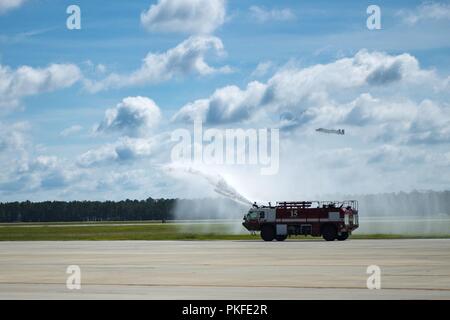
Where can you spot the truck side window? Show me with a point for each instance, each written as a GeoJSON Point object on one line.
{"type": "Point", "coordinates": [261, 215]}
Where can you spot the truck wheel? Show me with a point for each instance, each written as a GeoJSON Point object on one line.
{"type": "Point", "coordinates": [329, 232]}
{"type": "Point", "coordinates": [281, 238]}
{"type": "Point", "coordinates": [343, 236]}
{"type": "Point", "coordinates": [267, 233]}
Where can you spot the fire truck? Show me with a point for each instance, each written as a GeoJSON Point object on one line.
{"type": "Point", "coordinates": [330, 219]}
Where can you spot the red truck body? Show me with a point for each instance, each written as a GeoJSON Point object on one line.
{"type": "Point", "coordinates": [330, 219]}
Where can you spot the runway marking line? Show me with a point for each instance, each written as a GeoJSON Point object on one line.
{"type": "Point", "coordinates": [220, 286]}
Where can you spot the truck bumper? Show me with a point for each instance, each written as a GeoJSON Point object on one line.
{"type": "Point", "coordinates": [250, 226]}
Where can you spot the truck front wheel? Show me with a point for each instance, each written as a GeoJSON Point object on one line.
{"type": "Point", "coordinates": [267, 233]}
{"type": "Point", "coordinates": [343, 236]}
{"type": "Point", "coordinates": [329, 232]}
{"type": "Point", "coordinates": [281, 238]}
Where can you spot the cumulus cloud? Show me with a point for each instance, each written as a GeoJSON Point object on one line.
{"type": "Point", "coordinates": [301, 95]}
{"type": "Point", "coordinates": [395, 114]}
{"type": "Point", "coordinates": [184, 16]}
{"type": "Point", "coordinates": [25, 169]}
{"type": "Point", "coordinates": [385, 74]}
{"type": "Point", "coordinates": [431, 124]}
{"type": "Point", "coordinates": [7, 5]}
{"type": "Point", "coordinates": [48, 172]}
{"type": "Point", "coordinates": [186, 58]}
{"type": "Point", "coordinates": [14, 146]}
{"type": "Point", "coordinates": [400, 121]}
{"type": "Point", "coordinates": [263, 15]}
{"type": "Point", "coordinates": [394, 155]}
{"type": "Point", "coordinates": [133, 116]}
{"type": "Point", "coordinates": [228, 104]}
{"type": "Point", "coordinates": [375, 96]}
{"type": "Point", "coordinates": [129, 180]}
{"type": "Point", "coordinates": [426, 11]}
{"type": "Point", "coordinates": [125, 149]}
{"type": "Point", "coordinates": [26, 81]}
{"type": "Point", "coordinates": [28, 172]}
{"type": "Point", "coordinates": [13, 136]}
{"type": "Point", "coordinates": [366, 109]}
{"type": "Point", "coordinates": [365, 68]}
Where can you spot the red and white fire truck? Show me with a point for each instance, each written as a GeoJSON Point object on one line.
{"type": "Point", "coordinates": [330, 219]}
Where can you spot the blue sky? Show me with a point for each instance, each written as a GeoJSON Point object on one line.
{"type": "Point", "coordinates": [48, 122]}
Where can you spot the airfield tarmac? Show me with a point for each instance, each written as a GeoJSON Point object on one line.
{"type": "Point", "coordinates": [410, 269]}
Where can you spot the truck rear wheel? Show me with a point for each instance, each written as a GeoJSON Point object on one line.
{"type": "Point", "coordinates": [267, 233]}
{"type": "Point", "coordinates": [329, 232]}
{"type": "Point", "coordinates": [343, 236]}
{"type": "Point", "coordinates": [281, 238]}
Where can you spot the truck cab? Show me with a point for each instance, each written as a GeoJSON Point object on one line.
{"type": "Point", "coordinates": [257, 216]}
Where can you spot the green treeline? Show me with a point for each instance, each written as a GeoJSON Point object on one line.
{"type": "Point", "coordinates": [126, 210]}
{"type": "Point", "coordinates": [62, 211]}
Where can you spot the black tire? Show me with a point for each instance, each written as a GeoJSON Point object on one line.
{"type": "Point", "coordinates": [343, 236]}
{"type": "Point", "coordinates": [267, 233]}
{"type": "Point", "coordinates": [329, 232]}
{"type": "Point", "coordinates": [281, 238]}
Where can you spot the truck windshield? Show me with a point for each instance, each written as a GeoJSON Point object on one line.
{"type": "Point", "coordinates": [252, 215]}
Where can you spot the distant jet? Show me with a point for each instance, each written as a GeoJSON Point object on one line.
{"type": "Point", "coordinates": [338, 131]}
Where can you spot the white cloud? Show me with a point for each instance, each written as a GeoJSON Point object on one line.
{"type": "Point", "coordinates": [24, 171]}
{"type": "Point", "coordinates": [116, 180]}
{"type": "Point", "coordinates": [395, 113]}
{"type": "Point", "coordinates": [125, 149]}
{"type": "Point", "coordinates": [431, 124]}
{"type": "Point", "coordinates": [395, 157]}
{"type": "Point", "coordinates": [184, 16]}
{"type": "Point", "coordinates": [396, 117]}
{"type": "Point", "coordinates": [71, 130]}
{"type": "Point", "coordinates": [100, 68]}
{"type": "Point", "coordinates": [7, 5]}
{"type": "Point", "coordinates": [262, 69]}
{"type": "Point", "coordinates": [366, 109]}
{"type": "Point", "coordinates": [47, 173]}
{"type": "Point", "coordinates": [186, 58]}
{"type": "Point", "coordinates": [301, 95]}
{"type": "Point", "coordinates": [398, 121]}
{"type": "Point", "coordinates": [228, 104]}
{"type": "Point", "coordinates": [426, 11]}
{"type": "Point", "coordinates": [29, 174]}
{"type": "Point", "coordinates": [365, 68]}
{"type": "Point", "coordinates": [402, 121]}
{"type": "Point", "coordinates": [13, 136]}
{"type": "Point", "coordinates": [134, 116]}
{"type": "Point", "coordinates": [263, 15]}
{"type": "Point", "coordinates": [26, 81]}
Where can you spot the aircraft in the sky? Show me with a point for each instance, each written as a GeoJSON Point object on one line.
{"type": "Point", "coordinates": [333, 131]}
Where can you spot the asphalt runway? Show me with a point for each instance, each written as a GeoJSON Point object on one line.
{"type": "Point", "coordinates": [410, 269]}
